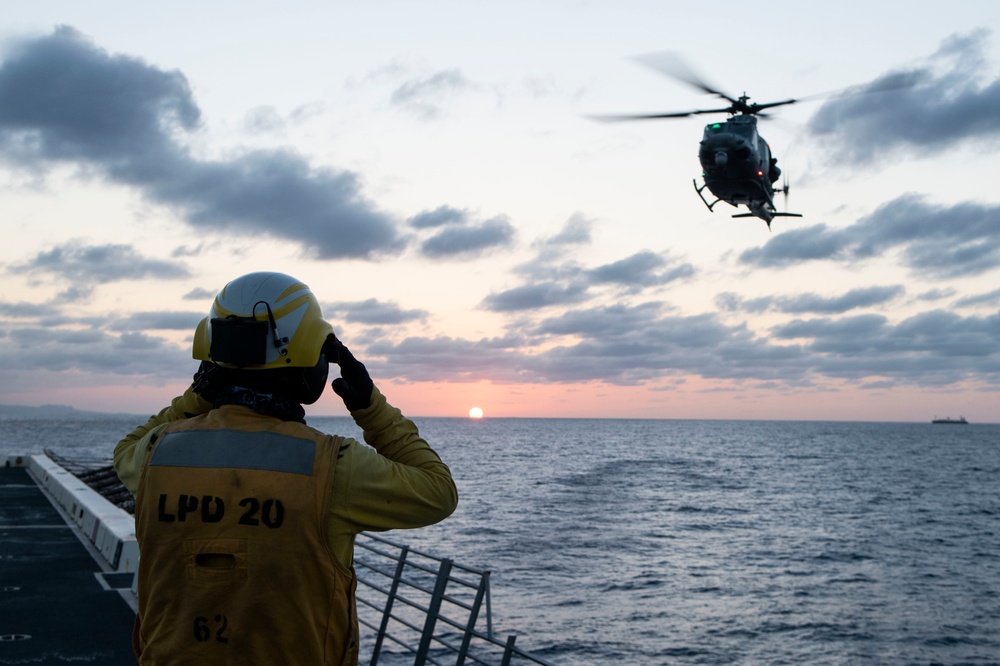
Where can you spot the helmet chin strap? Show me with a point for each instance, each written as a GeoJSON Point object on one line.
{"type": "Point", "coordinates": [270, 404]}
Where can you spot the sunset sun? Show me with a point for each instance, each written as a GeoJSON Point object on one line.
{"type": "Point", "coordinates": [476, 413]}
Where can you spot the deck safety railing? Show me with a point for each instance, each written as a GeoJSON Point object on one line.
{"type": "Point", "coordinates": [425, 609]}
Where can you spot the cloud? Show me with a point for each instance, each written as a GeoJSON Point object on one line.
{"type": "Point", "coordinates": [277, 193]}
{"type": "Point", "coordinates": [936, 294]}
{"type": "Point", "coordinates": [613, 344]}
{"type": "Point", "coordinates": [456, 236]}
{"type": "Point", "coordinates": [263, 120]}
{"type": "Point", "coordinates": [796, 246]}
{"type": "Point", "coordinates": [23, 310]}
{"type": "Point", "coordinates": [552, 282]}
{"type": "Point", "coordinates": [199, 294]}
{"type": "Point", "coordinates": [64, 100]}
{"type": "Point", "coordinates": [450, 359]}
{"type": "Point", "coordinates": [373, 313]}
{"type": "Point", "coordinates": [440, 216]}
{"type": "Point", "coordinates": [926, 109]}
{"type": "Point", "coordinates": [192, 251]}
{"type": "Point", "coordinates": [86, 265]}
{"type": "Point", "coordinates": [266, 119]}
{"type": "Point", "coordinates": [847, 335]}
{"type": "Point", "coordinates": [812, 303]}
{"type": "Point", "coordinates": [937, 241]}
{"type": "Point", "coordinates": [535, 296]}
{"type": "Point", "coordinates": [642, 269]}
{"type": "Point", "coordinates": [648, 344]}
{"type": "Point", "coordinates": [423, 96]}
{"type": "Point", "coordinates": [92, 350]}
{"type": "Point", "coordinates": [546, 85]}
{"type": "Point", "coordinates": [946, 334]}
{"type": "Point", "coordinates": [158, 321]}
{"type": "Point", "coordinates": [139, 342]}
{"type": "Point", "coordinates": [935, 348]}
{"type": "Point", "coordinates": [645, 343]}
{"type": "Point", "coordinates": [95, 346]}
{"type": "Point", "coordinates": [391, 71]}
{"type": "Point", "coordinates": [469, 241]}
{"type": "Point", "coordinates": [578, 230]}
{"type": "Point", "coordinates": [666, 346]}
{"type": "Point", "coordinates": [989, 299]}
{"type": "Point", "coordinates": [601, 323]}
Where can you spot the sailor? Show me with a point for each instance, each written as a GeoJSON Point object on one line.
{"type": "Point", "coordinates": [245, 516]}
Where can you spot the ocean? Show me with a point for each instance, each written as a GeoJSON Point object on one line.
{"type": "Point", "coordinates": [706, 542]}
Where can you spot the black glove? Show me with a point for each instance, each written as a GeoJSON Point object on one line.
{"type": "Point", "coordinates": [208, 381]}
{"type": "Point", "coordinates": [354, 385]}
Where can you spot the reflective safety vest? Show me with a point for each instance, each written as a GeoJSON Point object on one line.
{"type": "Point", "coordinates": [234, 565]}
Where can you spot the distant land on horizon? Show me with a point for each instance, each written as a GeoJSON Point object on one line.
{"type": "Point", "coordinates": [59, 412]}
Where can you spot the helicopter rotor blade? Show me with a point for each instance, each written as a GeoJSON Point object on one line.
{"type": "Point", "coordinates": [887, 83]}
{"type": "Point", "coordinates": [671, 64]}
{"type": "Point", "coordinates": [760, 107]}
{"type": "Point", "coordinates": [653, 116]}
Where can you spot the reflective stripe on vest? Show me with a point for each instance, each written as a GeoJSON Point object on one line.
{"type": "Point", "coordinates": [235, 449]}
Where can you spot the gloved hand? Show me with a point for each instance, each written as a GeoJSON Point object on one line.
{"type": "Point", "coordinates": [354, 385]}
{"type": "Point", "coordinates": [207, 381]}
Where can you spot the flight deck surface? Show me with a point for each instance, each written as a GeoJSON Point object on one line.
{"type": "Point", "coordinates": [58, 604]}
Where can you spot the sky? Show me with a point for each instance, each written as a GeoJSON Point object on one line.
{"type": "Point", "coordinates": [434, 172]}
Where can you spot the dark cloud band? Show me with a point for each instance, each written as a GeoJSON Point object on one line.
{"type": "Point", "coordinates": [63, 99]}
{"type": "Point", "coordinates": [935, 240]}
{"type": "Point", "coordinates": [931, 108]}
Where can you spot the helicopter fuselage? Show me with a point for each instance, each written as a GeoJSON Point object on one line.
{"type": "Point", "coordinates": [736, 162]}
{"type": "Point", "coordinates": [737, 165]}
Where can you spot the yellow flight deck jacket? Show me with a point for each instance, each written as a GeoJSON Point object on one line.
{"type": "Point", "coordinates": [246, 528]}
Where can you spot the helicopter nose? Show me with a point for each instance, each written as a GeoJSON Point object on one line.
{"type": "Point", "coordinates": [721, 158]}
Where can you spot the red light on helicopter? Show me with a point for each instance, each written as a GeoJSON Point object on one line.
{"type": "Point", "coordinates": [760, 174]}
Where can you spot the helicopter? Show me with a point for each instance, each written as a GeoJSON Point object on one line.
{"type": "Point", "coordinates": [737, 164]}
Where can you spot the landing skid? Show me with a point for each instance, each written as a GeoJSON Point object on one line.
{"type": "Point", "coordinates": [699, 190]}
{"type": "Point", "coordinates": [772, 215]}
{"type": "Point", "coordinates": [768, 219]}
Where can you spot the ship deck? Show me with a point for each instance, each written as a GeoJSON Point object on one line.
{"type": "Point", "coordinates": [60, 600]}
{"type": "Point", "coordinates": [68, 557]}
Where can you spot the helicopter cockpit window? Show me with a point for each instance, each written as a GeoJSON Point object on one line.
{"type": "Point", "coordinates": [741, 130]}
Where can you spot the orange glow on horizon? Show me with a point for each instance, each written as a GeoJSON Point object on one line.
{"type": "Point", "coordinates": [684, 398]}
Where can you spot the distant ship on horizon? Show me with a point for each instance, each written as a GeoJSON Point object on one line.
{"type": "Point", "coordinates": [959, 421]}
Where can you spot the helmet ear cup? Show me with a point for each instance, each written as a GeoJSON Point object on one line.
{"type": "Point", "coordinates": [239, 342]}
